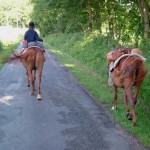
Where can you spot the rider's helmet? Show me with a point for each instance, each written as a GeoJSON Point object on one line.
{"type": "Point", "coordinates": [31, 24]}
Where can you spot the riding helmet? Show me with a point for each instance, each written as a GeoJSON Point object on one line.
{"type": "Point", "coordinates": [31, 24]}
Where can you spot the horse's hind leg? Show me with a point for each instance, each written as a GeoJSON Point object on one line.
{"type": "Point", "coordinates": [34, 78]}
{"type": "Point", "coordinates": [126, 102]}
{"type": "Point", "coordinates": [115, 98]}
{"type": "Point", "coordinates": [130, 97]}
{"type": "Point", "coordinates": [28, 80]}
{"type": "Point", "coordinates": [32, 82]}
{"type": "Point", "coordinates": [39, 85]}
{"type": "Point", "coordinates": [137, 89]}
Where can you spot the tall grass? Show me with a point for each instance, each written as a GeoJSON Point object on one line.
{"type": "Point", "coordinates": [87, 54]}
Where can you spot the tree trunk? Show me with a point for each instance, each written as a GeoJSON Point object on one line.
{"type": "Point", "coordinates": [98, 16]}
{"type": "Point", "coordinates": [98, 20]}
{"type": "Point", "coordinates": [90, 15]}
{"type": "Point", "coordinates": [110, 9]}
{"type": "Point", "coordinates": [111, 24]}
{"type": "Point", "coordinates": [144, 11]}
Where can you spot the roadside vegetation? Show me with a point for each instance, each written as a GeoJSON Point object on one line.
{"type": "Point", "coordinates": [85, 56]}
{"type": "Point", "coordinates": [6, 49]}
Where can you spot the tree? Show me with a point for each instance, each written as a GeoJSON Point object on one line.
{"type": "Point", "coordinates": [15, 13]}
{"type": "Point", "coordinates": [145, 15]}
{"type": "Point", "coordinates": [90, 15]}
{"type": "Point", "coordinates": [120, 19]}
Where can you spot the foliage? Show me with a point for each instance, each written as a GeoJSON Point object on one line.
{"type": "Point", "coordinates": [14, 12]}
{"type": "Point", "coordinates": [88, 48]}
{"type": "Point", "coordinates": [119, 19]}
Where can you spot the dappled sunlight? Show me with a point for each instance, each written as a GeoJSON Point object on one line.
{"type": "Point", "coordinates": [57, 51]}
{"type": "Point", "coordinates": [69, 65]}
{"type": "Point", "coordinates": [6, 99]}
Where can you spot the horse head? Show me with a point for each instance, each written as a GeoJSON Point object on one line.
{"type": "Point", "coordinates": [113, 55]}
{"type": "Point", "coordinates": [136, 51]}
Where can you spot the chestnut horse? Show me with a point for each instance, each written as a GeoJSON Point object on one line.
{"type": "Point", "coordinates": [126, 71]}
{"type": "Point", "coordinates": [33, 59]}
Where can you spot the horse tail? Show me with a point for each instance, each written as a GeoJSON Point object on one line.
{"type": "Point", "coordinates": [141, 71]}
{"type": "Point", "coordinates": [20, 56]}
{"type": "Point", "coordinates": [132, 70]}
{"type": "Point", "coordinates": [14, 56]}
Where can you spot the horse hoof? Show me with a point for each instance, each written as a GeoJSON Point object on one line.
{"type": "Point", "coordinates": [32, 94]}
{"type": "Point", "coordinates": [113, 108]}
{"type": "Point", "coordinates": [28, 85]}
{"type": "Point", "coordinates": [39, 97]}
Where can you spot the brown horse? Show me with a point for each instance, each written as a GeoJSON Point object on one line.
{"type": "Point", "coordinates": [126, 71]}
{"type": "Point", "coordinates": [33, 59]}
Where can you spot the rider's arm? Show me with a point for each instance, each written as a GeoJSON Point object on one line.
{"type": "Point", "coordinates": [38, 38]}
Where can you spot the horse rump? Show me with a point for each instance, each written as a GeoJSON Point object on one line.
{"type": "Point", "coordinates": [134, 70]}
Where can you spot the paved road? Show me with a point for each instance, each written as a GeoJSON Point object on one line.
{"type": "Point", "coordinates": [66, 119]}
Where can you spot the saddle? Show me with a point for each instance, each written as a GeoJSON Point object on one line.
{"type": "Point", "coordinates": [115, 63]}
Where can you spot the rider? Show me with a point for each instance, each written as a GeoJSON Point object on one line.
{"type": "Point", "coordinates": [31, 36]}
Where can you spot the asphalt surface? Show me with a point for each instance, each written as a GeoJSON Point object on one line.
{"type": "Point", "coordinates": [66, 118]}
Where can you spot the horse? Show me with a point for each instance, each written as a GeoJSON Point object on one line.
{"type": "Point", "coordinates": [126, 70]}
{"type": "Point", "coordinates": [33, 59]}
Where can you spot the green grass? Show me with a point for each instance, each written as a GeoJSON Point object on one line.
{"type": "Point", "coordinates": [85, 58]}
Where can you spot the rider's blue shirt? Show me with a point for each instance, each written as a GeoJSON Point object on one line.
{"type": "Point", "coordinates": [32, 36]}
